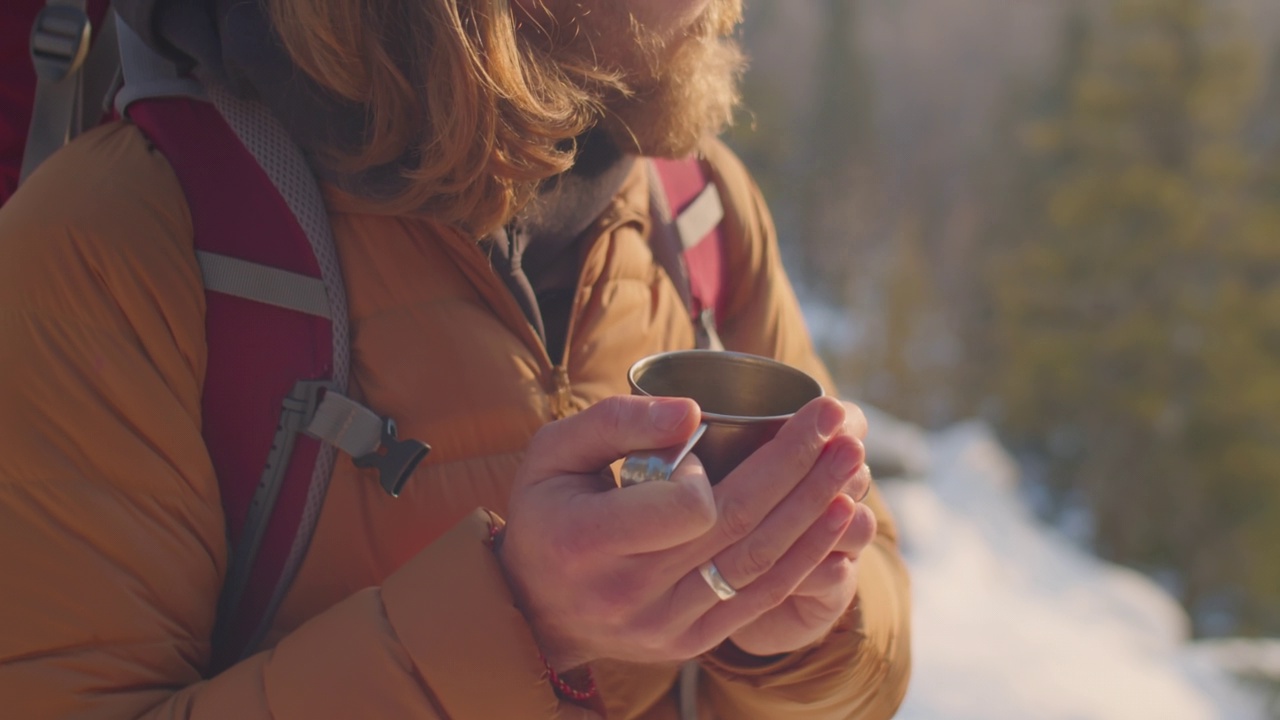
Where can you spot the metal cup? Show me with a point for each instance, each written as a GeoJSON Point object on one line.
{"type": "Point", "coordinates": [744, 398]}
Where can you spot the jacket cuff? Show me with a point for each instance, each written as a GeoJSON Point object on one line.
{"type": "Point", "coordinates": [730, 663]}
{"type": "Point", "coordinates": [455, 616]}
{"type": "Point", "coordinates": [884, 606]}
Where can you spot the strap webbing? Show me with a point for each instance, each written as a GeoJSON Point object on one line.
{"type": "Point", "coordinates": [346, 424]}
{"type": "Point", "coordinates": [101, 73]}
{"type": "Point", "coordinates": [666, 243]}
{"type": "Point", "coordinates": [688, 684]}
{"type": "Point", "coordinates": [148, 74]}
{"type": "Point", "coordinates": [59, 44]}
{"type": "Point", "coordinates": [688, 245]}
{"type": "Point", "coordinates": [264, 284]}
{"type": "Point", "coordinates": [702, 216]}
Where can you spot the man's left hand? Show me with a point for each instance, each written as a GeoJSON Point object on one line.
{"type": "Point", "coordinates": [814, 607]}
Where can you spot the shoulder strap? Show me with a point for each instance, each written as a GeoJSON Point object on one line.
{"type": "Point", "coordinates": [276, 329]}
{"type": "Point", "coordinates": [77, 70]}
{"type": "Point", "coordinates": [256, 354]}
{"type": "Point", "coordinates": [689, 239]}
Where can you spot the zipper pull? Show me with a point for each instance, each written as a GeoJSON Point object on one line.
{"type": "Point", "coordinates": [561, 395]}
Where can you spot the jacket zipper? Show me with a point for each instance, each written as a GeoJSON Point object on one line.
{"type": "Point", "coordinates": [560, 386]}
{"type": "Point", "coordinates": [562, 404]}
{"type": "Point", "coordinates": [561, 393]}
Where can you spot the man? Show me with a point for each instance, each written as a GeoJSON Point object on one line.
{"type": "Point", "coordinates": [491, 220]}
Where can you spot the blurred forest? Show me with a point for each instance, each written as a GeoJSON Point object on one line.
{"type": "Point", "coordinates": [1062, 216]}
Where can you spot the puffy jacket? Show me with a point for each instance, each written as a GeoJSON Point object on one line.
{"type": "Point", "coordinates": [112, 538]}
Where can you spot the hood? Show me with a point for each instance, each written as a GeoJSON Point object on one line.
{"type": "Point", "coordinates": [231, 42]}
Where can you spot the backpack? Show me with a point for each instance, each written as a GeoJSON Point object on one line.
{"type": "Point", "coordinates": [274, 409]}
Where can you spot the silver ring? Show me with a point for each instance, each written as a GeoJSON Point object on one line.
{"type": "Point", "coordinates": [716, 581]}
{"type": "Point", "coordinates": [657, 465]}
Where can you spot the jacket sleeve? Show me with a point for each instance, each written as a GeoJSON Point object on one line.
{"type": "Point", "coordinates": [112, 544]}
{"type": "Point", "coordinates": [861, 669]}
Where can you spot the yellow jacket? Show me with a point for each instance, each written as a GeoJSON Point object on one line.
{"type": "Point", "coordinates": [112, 540]}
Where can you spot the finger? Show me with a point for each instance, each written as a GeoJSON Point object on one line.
{"type": "Point", "coordinates": [860, 533]}
{"type": "Point", "coordinates": [753, 556]}
{"type": "Point", "coordinates": [755, 487]}
{"type": "Point", "coordinates": [652, 516]}
{"type": "Point", "coordinates": [811, 609]}
{"type": "Point", "coordinates": [605, 432]}
{"type": "Point", "coordinates": [832, 582]}
{"type": "Point", "coordinates": [722, 618]}
{"type": "Point", "coordinates": [855, 421]}
{"type": "Point", "coordinates": [806, 617]}
{"type": "Point", "coordinates": [859, 483]}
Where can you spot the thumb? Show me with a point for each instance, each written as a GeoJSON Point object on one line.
{"type": "Point", "coordinates": [605, 432]}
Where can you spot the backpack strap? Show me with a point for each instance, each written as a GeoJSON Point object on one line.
{"type": "Point", "coordinates": [338, 421]}
{"type": "Point", "coordinates": [77, 71]}
{"type": "Point", "coordinates": [689, 239]}
{"type": "Point", "coordinates": [276, 328]}
{"type": "Point", "coordinates": [256, 354]}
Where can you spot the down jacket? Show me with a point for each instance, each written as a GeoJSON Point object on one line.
{"type": "Point", "coordinates": [112, 538]}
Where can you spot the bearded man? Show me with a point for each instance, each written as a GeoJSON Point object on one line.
{"type": "Point", "coordinates": [483, 165]}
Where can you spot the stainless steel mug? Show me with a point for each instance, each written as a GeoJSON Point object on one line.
{"type": "Point", "coordinates": [744, 398]}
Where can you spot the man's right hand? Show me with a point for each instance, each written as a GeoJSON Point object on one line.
{"type": "Point", "coordinates": [607, 572]}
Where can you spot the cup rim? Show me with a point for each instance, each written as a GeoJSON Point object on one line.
{"type": "Point", "coordinates": [732, 356]}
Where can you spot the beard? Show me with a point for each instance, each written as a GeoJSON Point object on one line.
{"type": "Point", "coordinates": [673, 92]}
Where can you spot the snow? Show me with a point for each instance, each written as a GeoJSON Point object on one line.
{"type": "Point", "coordinates": [1012, 620]}
{"type": "Point", "coordinates": [1249, 658]}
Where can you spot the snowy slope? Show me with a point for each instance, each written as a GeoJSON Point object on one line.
{"type": "Point", "coordinates": [1013, 621]}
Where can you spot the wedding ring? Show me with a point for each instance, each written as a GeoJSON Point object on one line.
{"type": "Point", "coordinates": [716, 581]}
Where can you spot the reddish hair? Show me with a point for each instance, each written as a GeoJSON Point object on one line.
{"type": "Point", "coordinates": [472, 112]}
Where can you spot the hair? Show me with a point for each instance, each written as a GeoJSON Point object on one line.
{"type": "Point", "coordinates": [469, 112]}
{"type": "Point", "coordinates": [679, 92]}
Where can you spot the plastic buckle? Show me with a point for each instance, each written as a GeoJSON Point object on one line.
{"type": "Point", "coordinates": [394, 459]}
{"type": "Point", "coordinates": [59, 41]}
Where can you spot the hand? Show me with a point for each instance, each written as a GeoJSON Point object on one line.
{"type": "Point", "coordinates": [810, 612]}
{"type": "Point", "coordinates": [606, 572]}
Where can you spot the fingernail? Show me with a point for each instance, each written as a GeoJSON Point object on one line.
{"type": "Point", "coordinates": [668, 414]}
{"type": "Point", "coordinates": [830, 419]}
{"type": "Point", "coordinates": [839, 514]}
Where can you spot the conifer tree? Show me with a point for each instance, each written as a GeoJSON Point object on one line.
{"type": "Point", "coordinates": [1137, 307]}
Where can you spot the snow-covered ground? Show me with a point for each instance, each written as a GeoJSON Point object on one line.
{"type": "Point", "coordinates": [1013, 621]}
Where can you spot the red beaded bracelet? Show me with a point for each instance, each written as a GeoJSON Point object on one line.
{"type": "Point", "coordinates": [567, 691]}
{"type": "Point", "coordinates": [562, 688]}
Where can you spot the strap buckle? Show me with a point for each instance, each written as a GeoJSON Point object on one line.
{"type": "Point", "coordinates": [394, 459]}
{"type": "Point", "coordinates": [59, 41]}
{"type": "Point", "coordinates": [367, 437]}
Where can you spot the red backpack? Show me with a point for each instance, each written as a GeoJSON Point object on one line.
{"type": "Point", "coordinates": [274, 412]}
